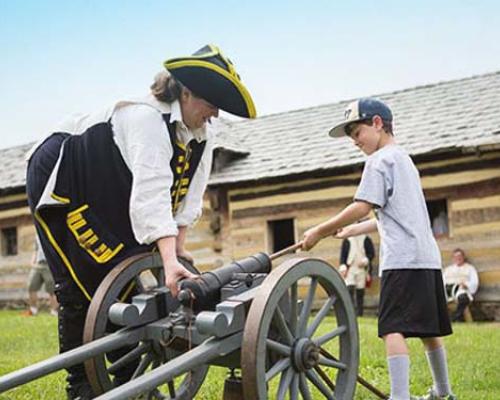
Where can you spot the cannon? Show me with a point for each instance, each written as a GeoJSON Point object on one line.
{"type": "Point", "coordinates": [265, 323]}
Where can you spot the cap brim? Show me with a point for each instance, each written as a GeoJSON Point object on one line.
{"type": "Point", "coordinates": [339, 130]}
{"type": "Point", "coordinates": [214, 84]}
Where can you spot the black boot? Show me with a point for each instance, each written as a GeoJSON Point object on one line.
{"type": "Point", "coordinates": [79, 391]}
{"type": "Point", "coordinates": [71, 323]}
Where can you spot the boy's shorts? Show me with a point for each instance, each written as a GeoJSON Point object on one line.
{"type": "Point", "coordinates": [413, 303]}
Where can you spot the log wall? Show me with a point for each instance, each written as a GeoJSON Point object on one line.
{"type": "Point", "coordinates": [235, 219]}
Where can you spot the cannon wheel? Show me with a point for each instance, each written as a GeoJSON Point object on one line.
{"type": "Point", "coordinates": [286, 350]}
{"type": "Point", "coordinates": [135, 275]}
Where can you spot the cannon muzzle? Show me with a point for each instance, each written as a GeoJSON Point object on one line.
{"type": "Point", "coordinates": [203, 292]}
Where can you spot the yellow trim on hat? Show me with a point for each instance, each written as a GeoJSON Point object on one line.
{"type": "Point", "coordinates": [215, 51]}
{"type": "Point", "coordinates": [206, 64]}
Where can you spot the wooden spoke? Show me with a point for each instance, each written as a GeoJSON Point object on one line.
{"type": "Point", "coordinates": [330, 335]}
{"type": "Point", "coordinates": [306, 309]}
{"type": "Point", "coordinates": [322, 313]}
{"type": "Point", "coordinates": [277, 368]}
{"type": "Point", "coordinates": [279, 348]}
{"type": "Point", "coordinates": [279, 320]}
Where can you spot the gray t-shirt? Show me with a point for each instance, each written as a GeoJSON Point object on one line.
{"type": "Point", "coordinates": [391, 182]}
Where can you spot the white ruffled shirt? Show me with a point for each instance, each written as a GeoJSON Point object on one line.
{"type": "Point", "coordinates": [142, 137]}
{"type": "Point", "coordinates": [465, 273]}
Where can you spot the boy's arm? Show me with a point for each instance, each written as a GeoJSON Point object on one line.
{"type": "Point", "coordinates": [348, 215]}
{"type": "Point", "coordinates": [357, 229]}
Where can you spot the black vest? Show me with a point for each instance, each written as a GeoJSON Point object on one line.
{"type": "Point", "coordinates": [184, 163]}
{"type": "Point", "coordinates": [95, 184]}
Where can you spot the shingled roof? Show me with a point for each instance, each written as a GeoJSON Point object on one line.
{"type": "Point", "coordinates": [461, 114]}
{"type": "Point", "coordinates": [13, 170]}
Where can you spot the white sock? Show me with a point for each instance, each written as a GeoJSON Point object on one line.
{"type": "Point", "coordinates": [399, 374]}
{"type": "Point", "coordinates": [439, 370]}
{"type": "Point", "coordinates": [34, 310]}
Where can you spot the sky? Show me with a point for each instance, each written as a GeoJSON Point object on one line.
{"type": "Point", "coordinates": [65, 57]}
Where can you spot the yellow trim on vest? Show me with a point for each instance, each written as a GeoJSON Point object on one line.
{"type": "Point", "coordinates": [64, 200]}
{"type": "Point", "coordinates": [78, 210]}
{"type": "Point", "coordinates": [232, 78]}
{"type": "Point", "coordinates": [76, 220]}
{"type": "Point", "coordinates": [181, 145]}
{"type": "Point", "coordinates": [91, 241]}
{"type": "Point", "coordinates": [61, 254]}
{"type": "Point", "coordinates": [181, 170]}
{"type": "Point", "coordinates": [78, 224]}
{"type": "Point", "coordinates": [101, 249]}
{"type": "Point", "coordinates": [87, 234]}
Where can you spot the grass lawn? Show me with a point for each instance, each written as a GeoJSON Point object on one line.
{"type": "Point", "coordinates": [473, 352]}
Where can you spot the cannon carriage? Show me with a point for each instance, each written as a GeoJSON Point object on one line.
{"type": "Point", "coordinates": [262, 320]}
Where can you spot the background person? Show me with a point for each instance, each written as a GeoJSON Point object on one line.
{"type": "Point", "coordinates": [356, 257]}
{"type": "Point", "coordinates": [462, 276]}
{"type": "Point", "coordinates": [40, 275]}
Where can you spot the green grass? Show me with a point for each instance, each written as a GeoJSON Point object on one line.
{"type": "Point", "coordinates": [473, 353]}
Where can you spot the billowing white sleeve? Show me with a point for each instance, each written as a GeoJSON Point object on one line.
{"type": "Point", "coordinates": [142, 137]}
{"type": "Point", "coordinates": [473, 283]}
{"type": "Point", "coordinates": [191, 206]}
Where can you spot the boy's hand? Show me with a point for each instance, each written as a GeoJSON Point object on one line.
{"type": "Point", "coordinates": [311, 238]}
{"type": "Point", "coordinates": [342, 233]}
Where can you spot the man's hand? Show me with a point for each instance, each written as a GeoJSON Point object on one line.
{"type": "Point", "coordinates": [311, 238]}
{"type": "Point", "coordinates": [174, 272]}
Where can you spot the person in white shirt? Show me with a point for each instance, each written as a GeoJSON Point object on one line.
{"type": "Point", "coordinates": [461, 282]}
{"type": "Point", "coordinates": [356, 257]}
{"type": "Point", "coordinates": [111, 184]}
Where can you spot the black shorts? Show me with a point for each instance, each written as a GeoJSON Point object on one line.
{"type": "Point", "coordinates": [413, 303]}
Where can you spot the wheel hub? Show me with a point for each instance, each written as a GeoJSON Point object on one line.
{"type": "Point", "coordinates": [305, 354]}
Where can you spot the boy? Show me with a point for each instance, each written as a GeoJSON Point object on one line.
{"type": "Point", "coordinates": [412, 299]}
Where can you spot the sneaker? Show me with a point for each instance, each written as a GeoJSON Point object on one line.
{"type": "Point", "coordinates": [431, 395]}
{"type": "Point", "coordinates": [27, 313]}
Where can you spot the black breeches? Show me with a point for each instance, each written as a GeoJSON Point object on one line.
{"type": "Point", "coordinates": [463, 302]}
{"type": "Point", "coordinates": [360, 300]}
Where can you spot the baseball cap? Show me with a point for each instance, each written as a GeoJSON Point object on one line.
{"type": "Point", "coordinates": [361, 110]}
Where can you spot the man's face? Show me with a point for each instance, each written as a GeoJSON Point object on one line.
{"type": "Point", "coordinates": [366, 137]}
{"type": "Point", "coordinates": [458, 258]}
{"type": "Point", "coordinates": [196, 112]}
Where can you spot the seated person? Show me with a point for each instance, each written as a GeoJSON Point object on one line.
{"type": "Point", "coordinates": [461, 282]}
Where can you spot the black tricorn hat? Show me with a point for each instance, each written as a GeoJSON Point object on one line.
{"type": "Point", "coordinates": [211, 76]}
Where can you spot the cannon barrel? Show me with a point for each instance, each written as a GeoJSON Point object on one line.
{"type": "Point", "coordinates": [204, 291]}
